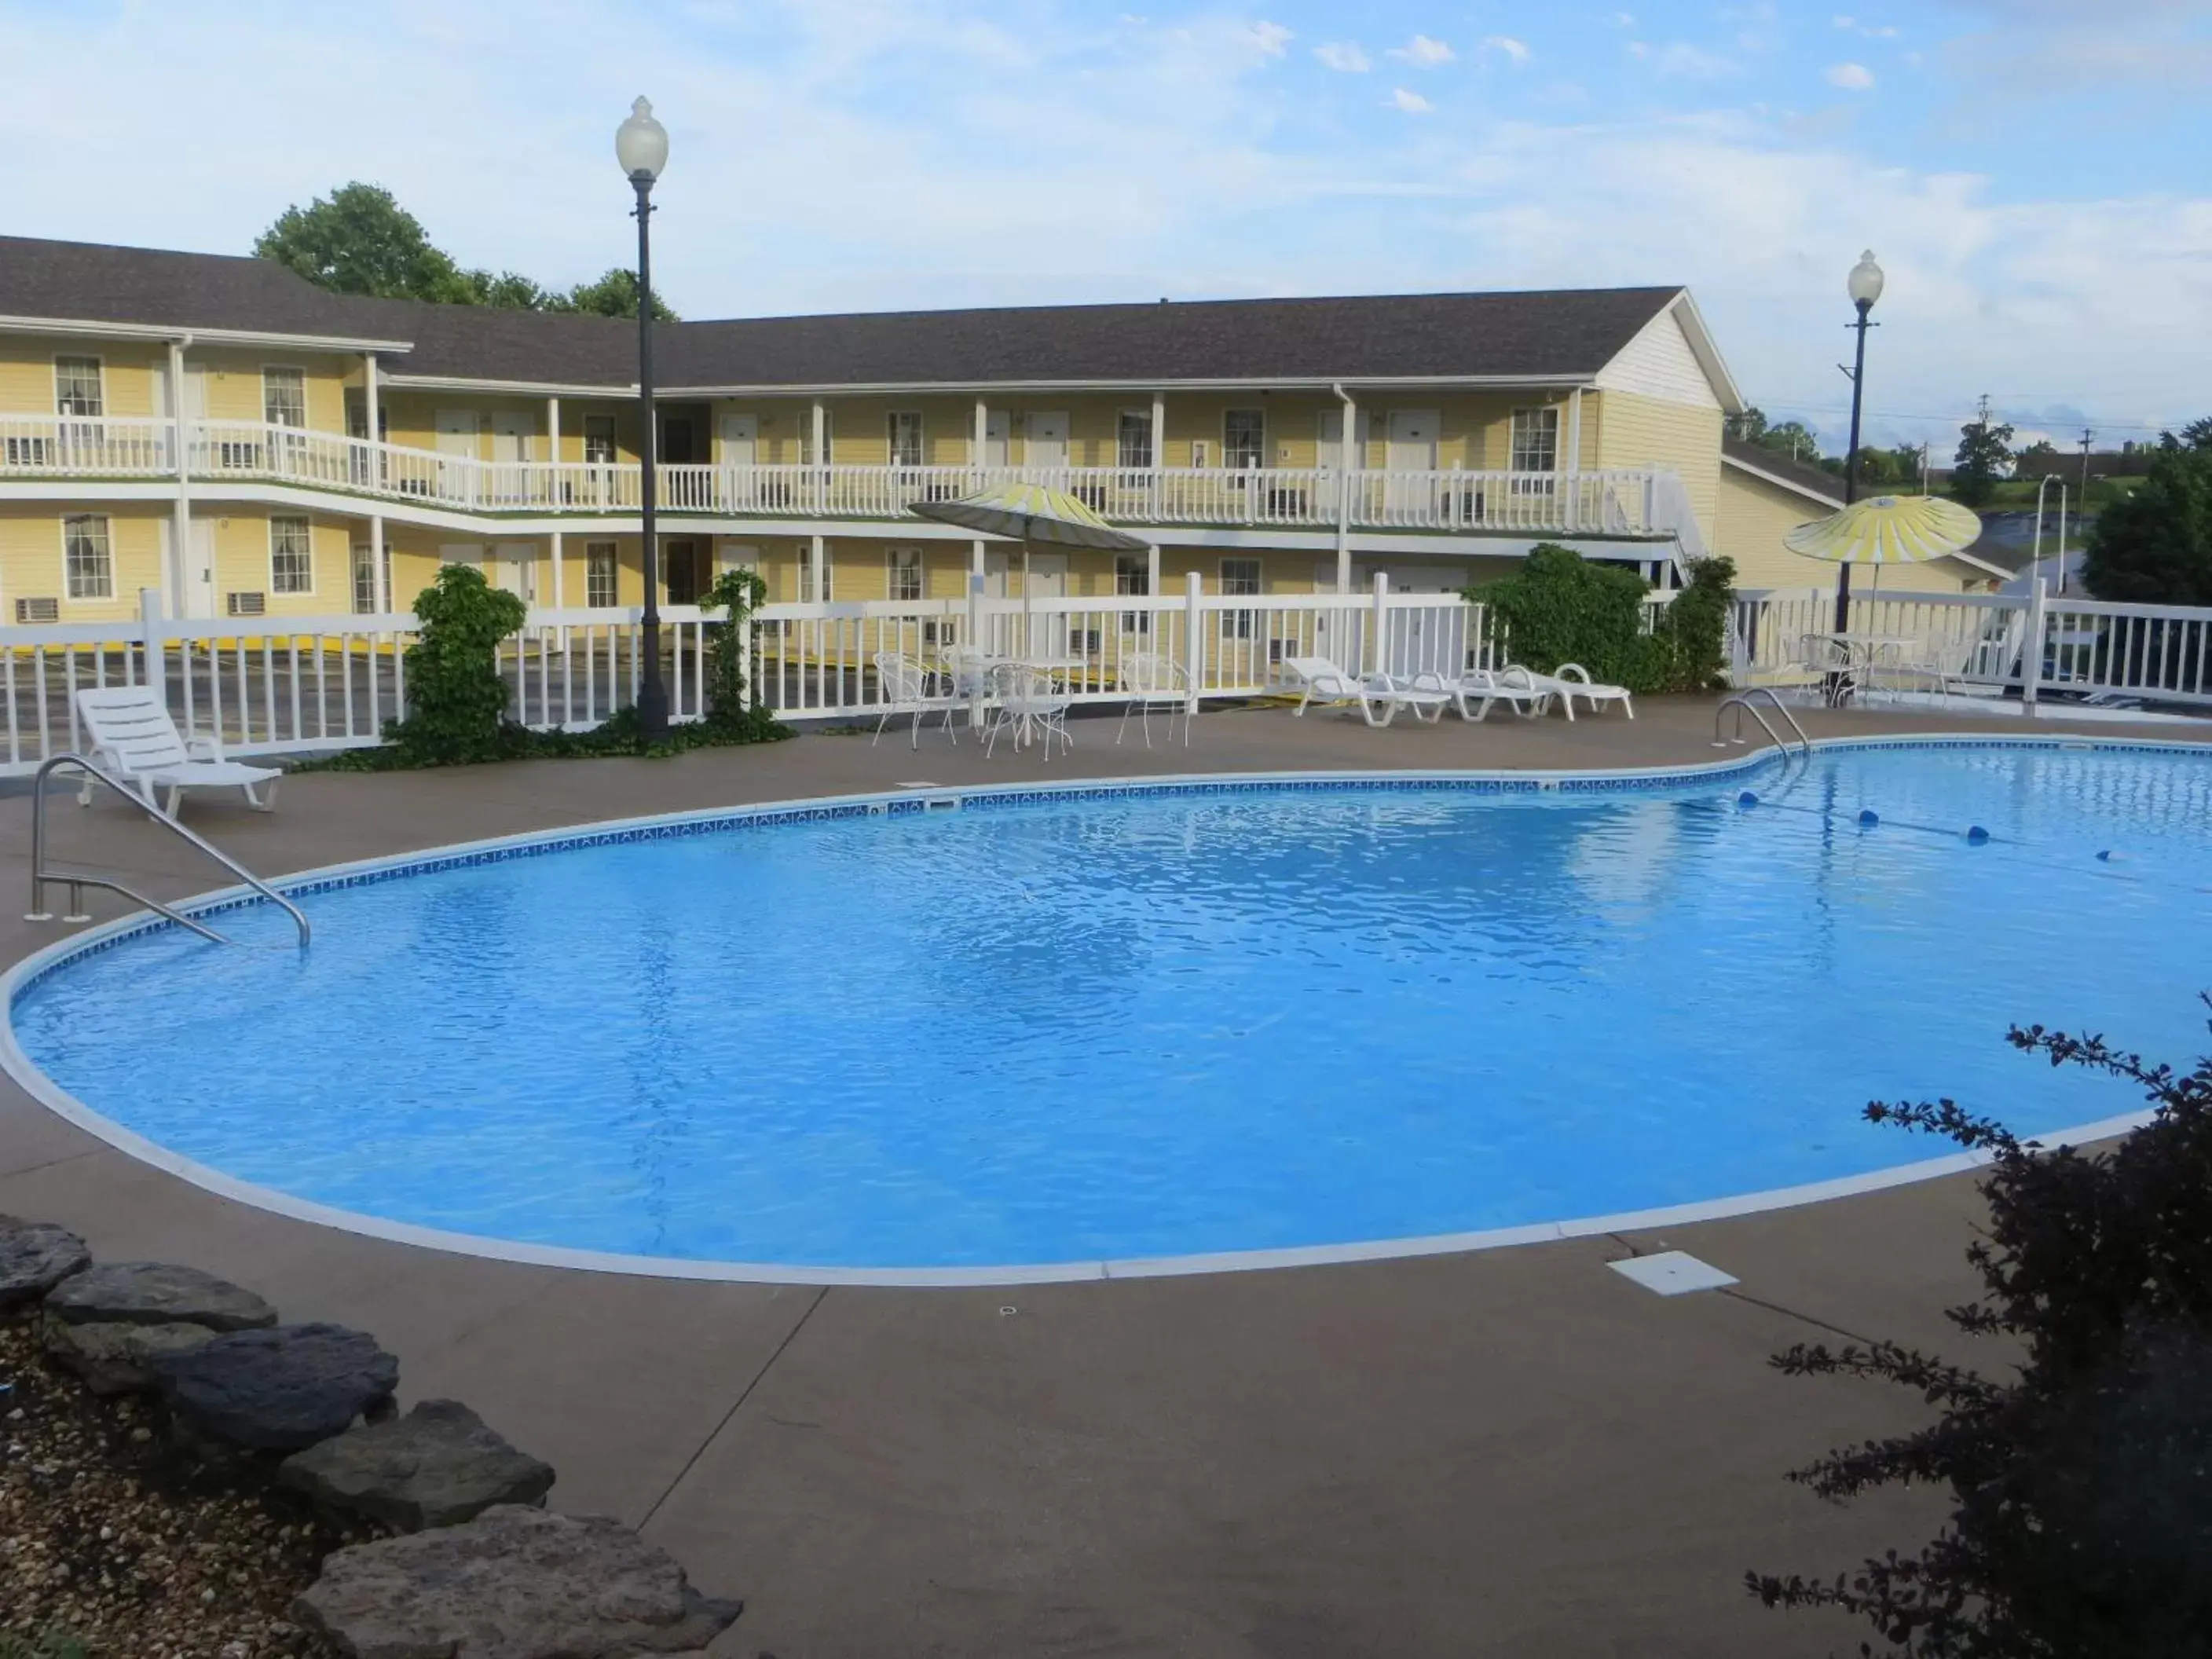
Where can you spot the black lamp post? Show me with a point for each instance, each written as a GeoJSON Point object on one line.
{"type": "Point", "coordinates": [642, 147]}
{"type": "Point", "coordinates": [1865, 286]}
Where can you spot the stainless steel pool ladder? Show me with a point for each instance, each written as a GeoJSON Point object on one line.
{"type": "Point", "coordinates": [1741, 702]}
{"type": "Point", "coordinates": [77, 881]}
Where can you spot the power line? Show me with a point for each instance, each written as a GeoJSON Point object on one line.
{"type": "Point", "coordinates": [1949, 415]}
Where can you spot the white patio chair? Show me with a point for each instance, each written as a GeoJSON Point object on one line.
{"type": "Point", "coordinates": [904, 684]}
{"type": "Point", "coordinates": [1480, 686]}
{"type": "Point", "coordinates": [1828, 666]}
{"type": "Point", "coordinates": [131, 734]}
{"type": "Point", "coordinates": [1151, 680]}
{"type": "Point", "coordinates": [1032, 701]}
{"type": "Point", "coordinates": [1331, 687]}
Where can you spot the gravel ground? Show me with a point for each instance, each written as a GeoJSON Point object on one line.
{"type": "Point", "coordinates": [109, 1534]}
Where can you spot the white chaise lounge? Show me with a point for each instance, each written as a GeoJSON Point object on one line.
{"type": "Point", "coordinates": [1331, 687]}
{"type": "Point", "coordinates": [1571, 680]}
{"type": "Point", "coordinates": [1481, 687]}
{"type": "Point", "coordinates": [131, 734]}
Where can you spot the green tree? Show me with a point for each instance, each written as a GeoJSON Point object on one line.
{"type": "Point", "coordinates": [614, 295]}
{"type": "Point", "coordinates": [2080, 1477]}
{"type": "Point", "coordinates": [1984, 456]}
{"type": "Point", "coordinates": [1793, 439]}
{"type": "Point", "coordinates": [360, 240]}
{"type": "Point", "coordinates": [1748, 427]}
{"type": "Point", "coordinates": [2154, 544]}
{"type": "Point", "coordinates": [456, 699]}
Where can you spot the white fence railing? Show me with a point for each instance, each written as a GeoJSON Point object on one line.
{"type": "Point", "coordinates": [2029, 645]}
{"type": "Point", "coordinates": [1621, 501]}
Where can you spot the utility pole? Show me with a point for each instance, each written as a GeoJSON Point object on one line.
{"type": "Point", "coordinates": [1924, 466]}
{"type": "Point", "coordinates": [2082, 506]}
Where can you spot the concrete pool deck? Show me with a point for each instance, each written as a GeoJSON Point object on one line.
{"type": "Point", "coordinates": [1511, 1453]}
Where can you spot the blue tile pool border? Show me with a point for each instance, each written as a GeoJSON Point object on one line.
{"type": "Point", "coordinates": [34, 970]}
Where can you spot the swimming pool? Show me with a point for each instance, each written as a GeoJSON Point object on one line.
{"type": "Point", "coordinates": [1158, 1027]}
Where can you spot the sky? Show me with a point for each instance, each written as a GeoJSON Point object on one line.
{"type": "Point", "coordinates": [2029, 172]}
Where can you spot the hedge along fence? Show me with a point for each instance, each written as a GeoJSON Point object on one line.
{"type": "Point", "coordinates": [1559, 608]}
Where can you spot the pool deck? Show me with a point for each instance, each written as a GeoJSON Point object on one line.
{"type": "Point", "coordinates": [1514, 1452]}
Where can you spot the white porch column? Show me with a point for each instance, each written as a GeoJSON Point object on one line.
{"type": "Point", "coordinates": [369, 392]}
{"type": "Point", "coordinates": [979, 444]}
{"type": "Point", "coordinates": [378, 580]}
{"type": "Point", "coordinates": [1574, 458]}
{"type": "Point", "coordinates": [1349, 461]}
{"type": "Point", "coordinates": [373, 427]}
{"type": "Point", "coordinates": [177, 596]}
{"type": "Point", "coordinates": [818, 559]}
{"type": "Point", "coordinates": [821, 454]}
{"type": "Point", "coordinates": [1152, 569]}
{"type": "Point", "coordinates": [1159, 451]}
{"type": "Point", "coordinates": [553, 456]}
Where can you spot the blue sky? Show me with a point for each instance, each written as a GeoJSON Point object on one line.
{"type": "Point", "coordinates": [2028, 171]}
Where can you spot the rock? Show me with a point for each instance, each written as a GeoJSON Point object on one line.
{"type": "Point", "coordinates": [514, 1583]}
{"type": "Point", "coordinates": [117, 1358]}
{"type": "Point", "coordinates": [156, 1293]}
{"type": "Point", "coordinates": [280, 1389]}
{"type": "Point", "coordinates": [436, 1466]}
{"type": "Point", "coordinates": [35, 1257]}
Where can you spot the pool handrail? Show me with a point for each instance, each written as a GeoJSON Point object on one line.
{"type": "Point", "coordinates": [77, 881]}
{"type": "Point", "coordinates": [1741, 702]}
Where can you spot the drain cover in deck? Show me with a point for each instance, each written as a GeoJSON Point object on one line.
{"type": "Point", "coordinates": [1672, 1273]}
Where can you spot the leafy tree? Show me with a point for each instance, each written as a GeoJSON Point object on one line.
{"type": "Point", "coordinates": [2081, 1525]}
{"type": "Point", "coordinates": [1983, 458]}
{"type": "Point", "coordinates": [1792, 438]}
{"type": "Point", "coordinates": [362, 241]}
{"type": "Point", "coordinates": [2038, 458]}
{"type": "Point", "coordinates": [1748, 427]}
{"type": "Point", "coordinates": [2154, 544]}
{"type": "Point", "coordinates": [456, 699]}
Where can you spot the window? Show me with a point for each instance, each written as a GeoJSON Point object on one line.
{"type": "Point", "coordinates": [599, 444]}
{"type": "Point", "coordinates": [599, 574]}
{"type": "Point", "coordinates": [291, 555]}
{"type": "Point", "coordinates": [806, 438]}
{"type": "Point", "coordinates": [364, 578]}
{"type": "Point", "coordinates": [807, 594]}
{"type": "Point", "coordinates": [1136, 447]}
{"type": "Point", "coordinates": [284, 397]}
{"type": "Point", "coordinates": [680, 570]}
{"type": "Point", "coordinates": [903, 573]}
{"type": "Point", "coordinates": [1244, 438]}
{"type": "Point", "coordinates": [1133, 579]}
{"type": "Point", "coordinates": [87, 566]}
{"type": "Point", "coordinates": [1535, 440]}
{"type": "Point", "coordinates": [1239, 577]}
{"type": "Point", "coordinates": [906, 437]}
{"type": "Point", "coordinates": [76, 388]}
{"type": "Point", "coordinates": [356, 418]}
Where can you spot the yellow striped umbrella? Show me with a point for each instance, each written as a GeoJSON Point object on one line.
{"type": "Point", "coordinates": [1886, 530]}
{"type": "Point", "coordinates": [1030, 513]}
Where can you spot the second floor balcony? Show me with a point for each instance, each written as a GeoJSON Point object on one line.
{"type": "Point", "coordinates": [1628, 504]}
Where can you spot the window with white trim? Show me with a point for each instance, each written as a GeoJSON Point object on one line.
{"type": "Point", "coordinates": [1535, 440]}
{"type": "Point", "coordinates": [1133, 579]}
{"type": "Point", "coordinates": [905, 434]}
{"type": "Point", "coordinates": [364, 578]}
{"type": "Point", "coordinates": [284, 397]}
{"type": "Point", "coordinates": [1239, 577]}
{"type": "Point", "coordinates": [828, 438]}
{"type": "Point", "coordinates": [87, 565]}
{"type": "Point", "coordinates": [78, 388]}
{"type": "Point", "coordinates": [807, 595]}
{"type": "Point", "coordinates": [1134, 445]}
{"type": "Point", "coordinates": [291, 555]}
{"type": "Point", "coordinates": [903, 573]}
{"type": "Point", "coordinates": [599, 574]}
{"type": "Point", "coordinates": [600, 443]}
{"type": "Point", "coordinates": [1244, 438]}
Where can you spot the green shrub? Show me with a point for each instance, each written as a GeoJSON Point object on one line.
{"type": "Point", "coordinates": [1693, 628]}
{"type": "Point", "coordinates": [48, 1645]}
{"type": "Point", "coordinates": [1560, 608]}
{"type": "Point", "coordinates": [737, 594]}
{"type": "Point", "coordinates": [456, 700]}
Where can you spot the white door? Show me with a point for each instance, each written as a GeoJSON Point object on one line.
{"type": "Point", "coordinates": [740, 435]}
{"type": "Point", "coordinates": [1050, 637]}
{"type": "Point", "coordinates": [1412, 449]}
{"type": "Point", "coordinates": [199, 568]}
{"type": "Point", "coordinates": [1044, 442]}
{"type": "Point", "coordinates": [457, 437]}
{"type": "Point", "coordinates": [514, 566]}
{"type": "Point", "coordinates": [1329, 446]}
{"type": "Point", "coordinates": [996, 428]}
{"type": "Point", "coordinates": [510, 437]}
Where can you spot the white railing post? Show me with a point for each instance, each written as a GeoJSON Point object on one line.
{"type": "Point", "coordinates": [2031, 655]}
{"type": "Point", "coordinates": [1380, 664]}
{"type": "Point", "coordinates": [1650, 501]}
{"type": "Point", "coordinates": [1193, 642]}
{"type": "Point", "coordinates": [152, 647]}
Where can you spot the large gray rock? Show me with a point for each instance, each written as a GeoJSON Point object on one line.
{"type": "Point", "coordinates": [156, 1293]}
{"type": "Point", "coordinates": [514, 1583]}
{"type": "Point", "coordinates": [436, 1466]}
{"type": "Point", "coordinates": [117, 1358]}
{"type": "Point", "coordinates": [280, 1389]}
{"type": "Point", "coordinates": [35, 1257]}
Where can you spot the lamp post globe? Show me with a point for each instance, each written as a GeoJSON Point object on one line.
{"type": "Point", "coordinates": [641, 149]}
{"type": "Point", "coordinates": [1864, 282]}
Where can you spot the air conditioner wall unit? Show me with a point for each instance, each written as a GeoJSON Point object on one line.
{"type": "Point", "coordinates": [37, 611]}
{"type": "Point", "coordinates": [246, 605]}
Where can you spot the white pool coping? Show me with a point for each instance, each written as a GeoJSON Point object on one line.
{"type": "Point", "coordinates": [18, 1067]}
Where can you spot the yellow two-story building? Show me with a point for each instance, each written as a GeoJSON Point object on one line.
{"type": "Point", "coordinates": [245, 444]}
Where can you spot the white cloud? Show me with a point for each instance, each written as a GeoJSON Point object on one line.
{"type": "Point", "coordinates": [1506, 47]}
{"type": "Point", "coordinates": [1412, 102]}
{"type": "Point", "coordinates": [1851, 77]}
{"type": "Point", "coordinates": [1344, 57]}
{"type": "Point", "coordinates": [1680, 61]}
{"type": "Point", "coordinates": [1269, 39]}
{"type": "Point", "coordinates": [1422, 52]}
{"type": "Point", "coordinates": [1841, 21]}
{"type": "Point", "coordinates": [1624, 19]}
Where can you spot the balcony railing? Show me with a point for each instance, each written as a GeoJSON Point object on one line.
{"type": "Point", "coordinates": [1617, 502]}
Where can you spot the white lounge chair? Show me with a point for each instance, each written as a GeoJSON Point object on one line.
{"type": "Point", "coordinates": [132, 736]}
{"type": "Point", "coordinates": [1330, 686]}
{"type": "Point", "coordinates": [1151, 681]}
{"type": "Point", "coordinates": [904, 684]}
{"type": "Point", "coordinates": [1482, 687]}
{"type": "Point", "coordinates": [1571, 680]}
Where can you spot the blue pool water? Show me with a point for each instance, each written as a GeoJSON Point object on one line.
{"type": "Point", "coordinates": [1172, 1024]}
